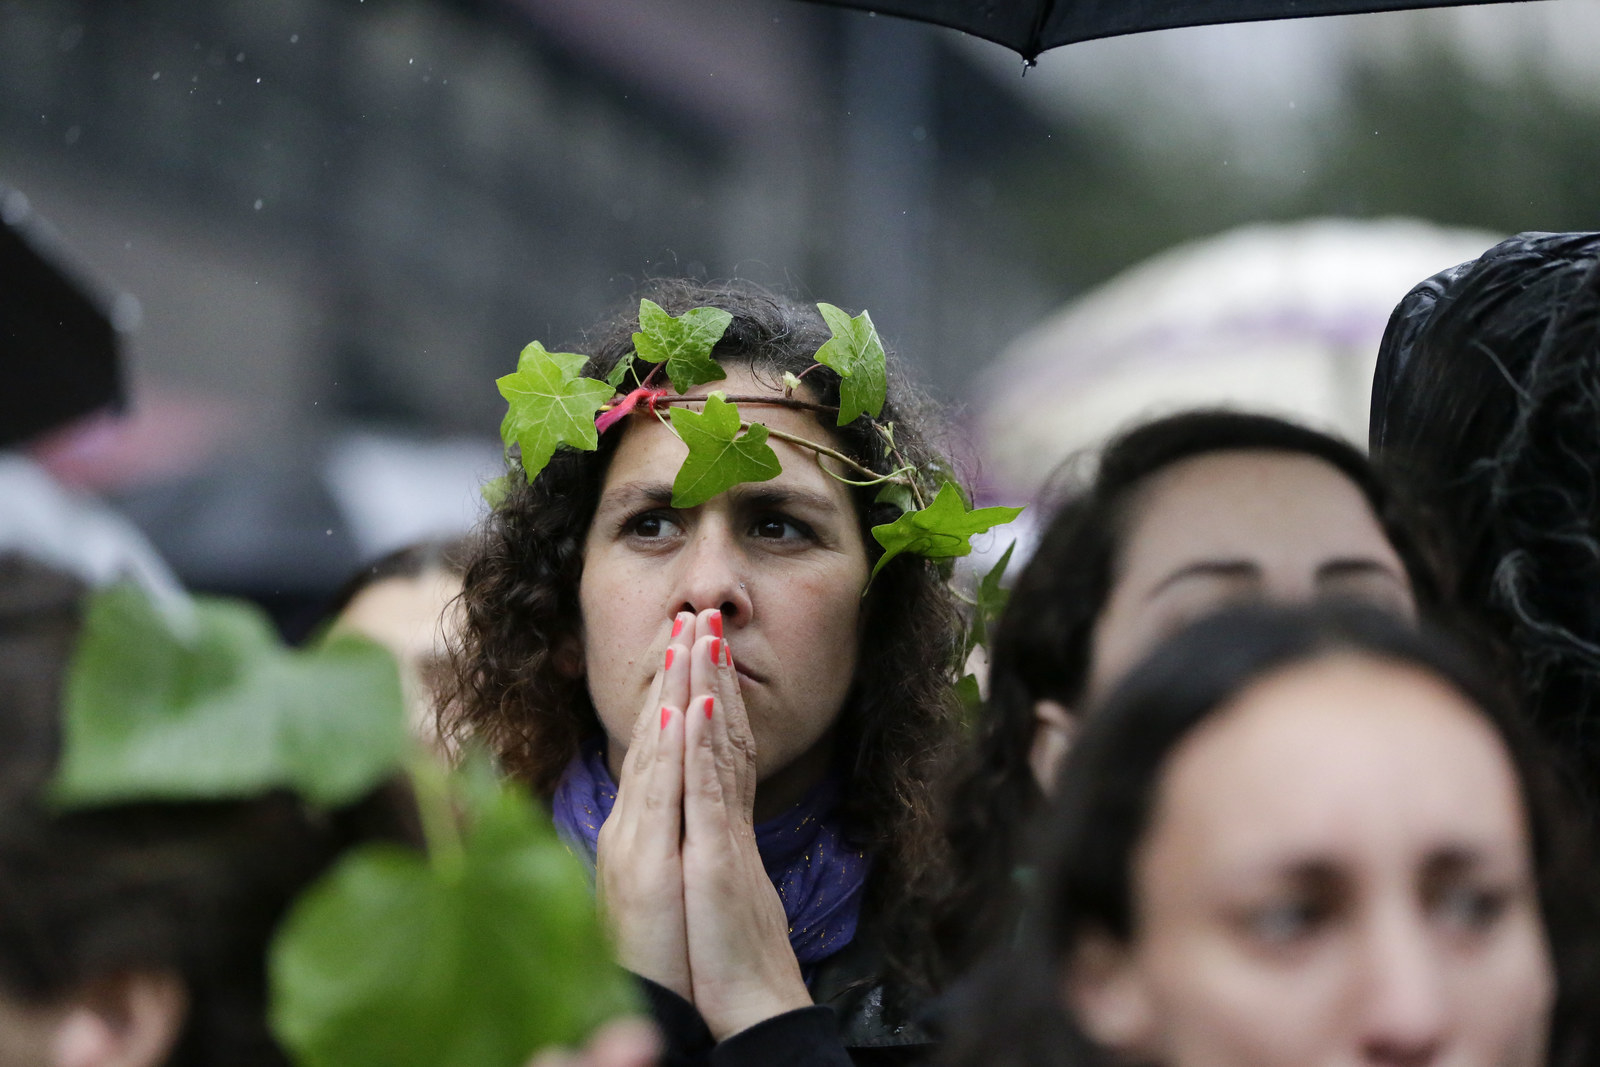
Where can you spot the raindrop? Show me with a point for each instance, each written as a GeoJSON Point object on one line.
{"type": "Point", "coordinates": [258, 204]}
{"type": "Point", "coordinates": [258, 81]}
{"type": "Point", "coordinates": [411, 61]}
{"type": "Point", "coordinates": [156, 76]}
{"type": "Point", "coordinates": [73, 133]}
{"type": "Point", "coordinates": [919, 133]}
{"type": "Point", "coordinates": [70, 37]}
{"type": "Point", "coordinates": [330, 532]}
{"type": "Point", "coordinates": [239, 58]}
{"type": "Point", "coordinates": [294, 38]}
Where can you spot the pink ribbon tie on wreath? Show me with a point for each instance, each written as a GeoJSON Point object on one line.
{"type": "Point", "coordinates": [626, 406]}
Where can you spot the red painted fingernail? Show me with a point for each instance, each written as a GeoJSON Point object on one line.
{"type": "Point", "coordinates": [669, 660]}
{"type": "Point", "coordinates": [709, 703]}
{"type": "Point", "coordinates": [677, 626]}
{"type": "Point", "coordinates": [666, 715]}
{"type": "Point", "coordinates": [715, 619]}
{"type": "Point", "coordinates": [727, 654]}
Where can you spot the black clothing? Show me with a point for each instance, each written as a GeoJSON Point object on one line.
{"type": "Point", "coordinates": [847, 1027]}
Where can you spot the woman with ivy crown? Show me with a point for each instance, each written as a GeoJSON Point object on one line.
{"type": "Point", "coordinates": [697, 625]}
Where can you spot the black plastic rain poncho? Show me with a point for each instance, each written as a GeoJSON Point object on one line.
{"type": "Point", "coordinates": [1486, 403]}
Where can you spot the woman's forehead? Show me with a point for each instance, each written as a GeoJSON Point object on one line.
{"type": "Point", "coordinates": [1341, 754]}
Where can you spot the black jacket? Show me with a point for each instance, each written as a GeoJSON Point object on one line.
{"type": "Point", "coordinates": [847, 1027]}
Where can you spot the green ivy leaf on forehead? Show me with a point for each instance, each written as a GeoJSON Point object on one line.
{"type": "Point", "coordinates": [856, 353]}
{"type": "Point", "coordinates": [549, 405]}
{"type": "Point", "coordinates": [683, 343]}
{"type": "Point", "coordinates": [222, 711]}
{"type": "Point", "coordinates": [942, 530]}
{"type": "Point", "coordinates": [720, 457]}
{"type": "Point", "coordinates": [477, 958]}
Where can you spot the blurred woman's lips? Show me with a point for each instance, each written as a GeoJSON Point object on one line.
{"type": "Point", "coordinates": [748, 675]}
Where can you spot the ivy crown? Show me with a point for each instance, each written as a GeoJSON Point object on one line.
{"type": "Point", "coordinates": [842, 375]}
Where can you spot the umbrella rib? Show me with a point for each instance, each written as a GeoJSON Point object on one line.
{"type": "Point", "coordinates": [1041, 19]}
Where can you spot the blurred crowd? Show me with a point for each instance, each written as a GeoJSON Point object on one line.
{"type": "Point", "coordinates": [1286, 750]}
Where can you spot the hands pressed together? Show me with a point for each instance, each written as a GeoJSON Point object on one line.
{"type": "Point", "coordinates": [679, 878]}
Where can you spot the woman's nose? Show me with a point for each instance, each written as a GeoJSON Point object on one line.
{"type": "Point", "coordinates": [712, 574]}
{"type": "Point", "coordinates": [1405, 1015]}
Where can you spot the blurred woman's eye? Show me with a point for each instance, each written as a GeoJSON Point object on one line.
{"type": "Point", "coordinates": [1286, 922]}
{"type": "Point", "coordinates": [1470, 908]}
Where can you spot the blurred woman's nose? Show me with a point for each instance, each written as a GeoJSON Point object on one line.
{"type": "Point", "coordinates": [1405, 1010]}
{"type": "Point", "coordinates": [712, 573]}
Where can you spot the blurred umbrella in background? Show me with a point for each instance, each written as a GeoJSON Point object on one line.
{"type": "Point", "coordinates": [1029, 27]}
{"type": "Point", "coordinates": [58, 342]}
{"type": "Point", "coordinates": [1284, 319]}
{"type": "Point", "coordinates": [59, 364]}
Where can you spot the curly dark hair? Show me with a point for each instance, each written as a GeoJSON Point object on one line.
{"type": "Point", "coordinates": [1011, 1015]}
{"type": "Point", "coordinates": [522, 610]}
{"type": "Point", "coordinates": [1485, 405]}
{"type": "Point", "coordinates": [1042, 645]}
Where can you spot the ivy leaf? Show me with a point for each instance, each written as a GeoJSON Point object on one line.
{"type": "Point", "coordinates": [619, 372]}
{"type": "Point", "coordinates": [970, 696]}
{"type": "Point", "coordinates": [991, 602]}
{"type": "Point", "coordinates": [476, 961]}
{"type": "Point", "coordinates": [550, 405]}
{"type": "Point", "coordinates": [720, 457]}
{"type": "Point", "coordinates": [942, 530]}
{"type": "Point", "coordinates": [684, 343]}
{"type": "Point", "coordinates": [223, 711]}
{"type": "Point", "coordinates": [897, 493]}
{"type": "Point", "coordinates": [857, 354]}
{"type": "Point", "coordinates": [495, 490]}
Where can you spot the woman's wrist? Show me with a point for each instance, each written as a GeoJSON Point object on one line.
{"type": "Point", "coordinates": [748, 1007]}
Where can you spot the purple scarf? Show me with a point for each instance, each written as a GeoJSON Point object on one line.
{"type": "Point", "coordinates": [818, 875]}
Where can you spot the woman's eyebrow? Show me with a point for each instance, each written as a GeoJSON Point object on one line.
{"type": "Point", "coordinates": [1229, 569]}
{"type": "Point", "coordinates": [1355, 565]}
{"type": "Point", "coordinates": [632, 494]}
{"type": "Point", "coordinates": [756, 495]}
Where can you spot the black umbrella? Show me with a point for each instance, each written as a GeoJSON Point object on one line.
{"type": "Point", "coordinates": [1032, 26]}
{"type": "Point", "coordinates": [58, 347]}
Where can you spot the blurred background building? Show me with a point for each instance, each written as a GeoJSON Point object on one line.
{"type": "Point", "coordinates": [341, 219]}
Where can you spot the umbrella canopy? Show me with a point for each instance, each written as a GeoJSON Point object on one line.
{"type": "Point", "coordinates": [1284, 319]}
{"type": "Point", "coordinates": [1032, 26]}
{"type": "Point", "coordinates": [58, 347]}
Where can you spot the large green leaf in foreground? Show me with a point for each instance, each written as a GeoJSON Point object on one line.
{"type": "Point", "coordinates": [222, 710]}
{"type": "Point", "coordinates": [475, 960]}
{"type": "Point", "coordinates": [720, 457]}
{"type": "Point", "coordinates": [549, 404]}
{"type": "Point", "coordinates": [941, 530]}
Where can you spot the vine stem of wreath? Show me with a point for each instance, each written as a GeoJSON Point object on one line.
{"type": "Point", "coordinates": [823, 450]}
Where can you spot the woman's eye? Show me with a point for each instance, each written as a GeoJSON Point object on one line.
{"type": "Point", "coordinates": [651, 524]}
{"type": "Point", "coordinates": [1471, 908]}
{"type": "Point", "coordinates": [1285, 923]}
{"type": "Point", "coordinates": [776, 528]}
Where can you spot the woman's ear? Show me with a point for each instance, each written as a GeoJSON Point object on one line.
{"type": "Point", "coordinates": [1104, 991]}
{"type": "Point", "coordinates": [1054, 727]}
{"type": "Point", "coordinates": [131, 1020]}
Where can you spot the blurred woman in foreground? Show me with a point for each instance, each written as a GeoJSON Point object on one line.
{"type": "Point", "coordinates": [1293, 838]}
